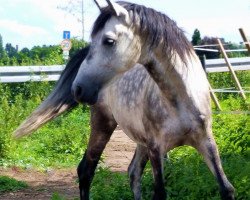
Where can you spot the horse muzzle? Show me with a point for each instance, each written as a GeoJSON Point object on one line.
{"type": "Point", "coordinates": [85, 93]}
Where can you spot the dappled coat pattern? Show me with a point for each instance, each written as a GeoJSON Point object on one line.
{"type": "Point", "coordinates": [161, 103]}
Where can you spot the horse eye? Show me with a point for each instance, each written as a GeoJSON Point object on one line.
{"type": "Point", "coordinates": [109, 42]}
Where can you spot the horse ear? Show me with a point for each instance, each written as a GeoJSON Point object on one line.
{"type": "Point", "coordinates": [119, 11]}
{"type": "Point", "coordinates": [98, 5]}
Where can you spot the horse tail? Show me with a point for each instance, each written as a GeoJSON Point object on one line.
{"type": "Point", "coordinates": [59, 100]}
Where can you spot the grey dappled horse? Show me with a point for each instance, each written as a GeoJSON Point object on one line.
{"type": "Point", "coordinates": [161, 104]}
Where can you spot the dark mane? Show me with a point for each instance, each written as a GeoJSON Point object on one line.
{"type": "Point", "coordinates": [154, 25]}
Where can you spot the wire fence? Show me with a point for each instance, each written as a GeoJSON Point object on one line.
{"type": "Point", "coordinates": [236, 112]}
{"type": "Point", "coordinates": [14, 74]}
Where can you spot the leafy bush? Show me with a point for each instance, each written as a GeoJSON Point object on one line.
{"type": "Point", "coordinates": [225, 80]}
{"type": "Point", "coordinates": [70, 135]}
{"type": "Point", "coordinates": [17, 101]}
{"type": "Point", "coordinates": [69, 131]}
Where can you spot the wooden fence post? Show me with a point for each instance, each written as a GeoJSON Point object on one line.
{"type": "Point", "coordinates": [212, 94]}
{"type": "Point", "coordinates": [214, 98]}
{"type": "Point", "coordinates": [231, 69]}
{"type": "Point", "coordinates": [244, 37]}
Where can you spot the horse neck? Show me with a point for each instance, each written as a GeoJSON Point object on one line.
{"type": "Point", "coordinates": [175, 78]}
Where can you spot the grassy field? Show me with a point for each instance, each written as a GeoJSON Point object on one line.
{"type": "Point", "coordinates": [10, 184]}
{"type": "Point", "coordinates": [62, 142]}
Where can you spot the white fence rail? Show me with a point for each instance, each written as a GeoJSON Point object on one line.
{"type": "Point", "coordinates": [219, 65]}
{"type": "Point", "coordinates": [14, 74]}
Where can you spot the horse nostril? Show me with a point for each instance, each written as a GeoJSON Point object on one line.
{"type": "Point", "coordinates": [78, 91]}
{"type": "Point", "coordinates": [85, 93]}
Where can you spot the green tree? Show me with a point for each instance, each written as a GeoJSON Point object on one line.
{"type": "Point", "coordinates": [25, 51]}
{"type": "Point", "coordinates": [1, 46]}
{"type": "Point", "coordinates": [10, 50]}
{"type": "Point", "coordinates": [2, 51]}
{"type": "Point", "coordinates": [232, 46]}
{"type": "Point", "coordinates": [196, 38]}
{"type": "Point", "coordinates": [38, 55]}
{"type": "Point", "coordinates": [76, 45]}
{"type": "Point", "coordinates": [209, 41]}
{"type": "Point", "coordinates": [46, 55]}
{"type": "Point", "coordinates": [76, 9]}
{"type": "Point", "coordinates": [4, 59]}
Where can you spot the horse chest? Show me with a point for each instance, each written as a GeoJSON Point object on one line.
{"type": "Point", "coordinates": [143, 125]}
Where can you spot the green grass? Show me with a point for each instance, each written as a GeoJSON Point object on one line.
{"type": "Point", "coordinates": [110, 185]}
{"type": "Point", "coordinates": [56, 196]}
{"type": "Point", "coordinates": [62, 142]}
{"type": "Point", "coordinates": [186, 174]}
{"type": "Point", "coordinates": [225, 80]}
{"type": "Point", "coordinates": [9, 184]}
{"type": "Point", "coordinates": [57, 144]}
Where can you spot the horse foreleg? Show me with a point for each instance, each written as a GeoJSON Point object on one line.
{"type": "Point", "coordinates": [208, 148]}
{"type": "Point", "coordinates": [136, 168]}
{"type": "Point", "coordinates": [102, 128]}
{"type": "Point", "coordinates": [156, 159]}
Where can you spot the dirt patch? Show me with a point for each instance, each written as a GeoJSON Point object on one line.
{"type": "Point", "coordinates": [117, 157]}
{"type": "Point", "coordinates": [42, 185]}
{"type": "Point", "coordinates": [119, 152]}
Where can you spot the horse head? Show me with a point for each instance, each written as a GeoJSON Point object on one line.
{"type": "Point", "coordinates": [114, 49]}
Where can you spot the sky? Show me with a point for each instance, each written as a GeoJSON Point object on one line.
{"type": "Point", "coordinates": [29, 23]}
